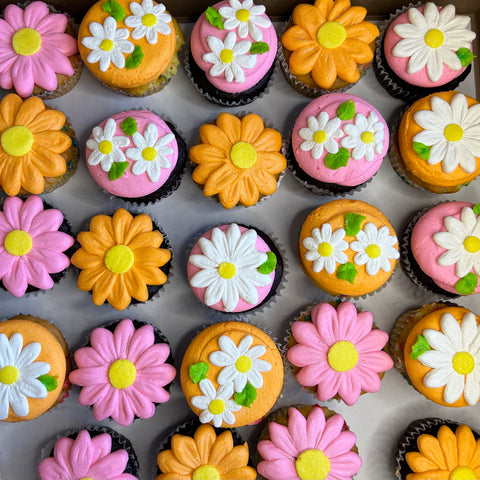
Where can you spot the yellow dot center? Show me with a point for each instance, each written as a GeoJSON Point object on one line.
{"type": "Point", "coordinates": [367, 137]}
{"type": "Point", "coordinates": [9, 375]}
{"type": "Point", "coordinates": [217, 406]}
{"type": "Point", "coordinates": [320, 136]}
{"type": "Point", "coordinates": [243, 364]}
{"type": "Point", "coordinates": [243, 155]}
{"type": "Point", "coordinates": [373, 251]}
{"type": "Point", "coordinates": [149, 154]}
{"type": "Point", "coordinates": [149, 20]}
{"type": "Point", "coordinates": [227, 270]}
{"type": "Point", "coordinates": [331, 35]}
{"type": "Point", "coordinates": [453, 132]}
{"type": "Point", "coordinates": [226, 55]}
{"type": "Point", "coordinates": [206, 472]}
{"type": "Point", "coordinates": [342, 356]}
{"type": "Point", "coordinates": [18, 243]}
{"type": "Point", "coordinates": [312, 464]}
{"type": "Point", "coordinates": [107, 45]}
{"type": "Point", "coordinates": [462, 473]}
{"type": "Point", "coordinates": [434, 38]}
{"type": "Point", "coordinates": [122, 373]}
{"type": "Point", "coordinates": [463, 363]}
{"type": "Point", "coordinates": [472, 244]}
{"type": "Point", "coordinates": [243, 15]}
{"type": "Point", "coordinates": [105, 147]}
{"type": "Point", "coordinates": [17, 141]}
{"type": "Point", "coordinates": [86, 478]}
{"type": "Point", "coordinates": [26, 41]}
{"type": "Point", "coordinates": [119, 259]}
{"type": "Point", "coordinates": [325, 249]}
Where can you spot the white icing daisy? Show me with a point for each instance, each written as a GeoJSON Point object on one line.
{"type": "Point", "coordinates": [375, 248]}
{"type": "Point", "coordinates": [432, 39]}
{"type": "Point", "coordinates": [325, 249]}
{"type": "Point", "coordinates": [107, 44]}
{"type": "Point", "coordinates": [454, 358]}
{"type": "Point", "coordinates": [320, 134]}
{"type": "Point", "coordinates": [229, 57]}
{"type": "Point", "coordinates": [19, 375]}
{"type": "Point", "coordinates": [216, 405]}
{"type": "Point", "coordinates": [246, 18]}
{"type": "Point", "coordinates": [148, 20]}
{"type": "Point", "coordinates": [150, 152]}
{"type": "Point", "coordinates": [452, 130]}
{"type": "Point", "coordinates": [462, 242]}
{"type": "Point", "coordinates": [105, 147]}
{"type": "Point", "coordinates": [366, 136]}
{"type": "Point", "coordinates": [241, 364]}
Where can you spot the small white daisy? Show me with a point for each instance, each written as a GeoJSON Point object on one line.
{"type": "Point", "coordinates": [320, 134]}
{"type": "Point", "coordinates": [148, 20]}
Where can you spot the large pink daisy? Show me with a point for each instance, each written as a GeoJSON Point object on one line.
{"type": "Point", "coordinates": [123, 373]}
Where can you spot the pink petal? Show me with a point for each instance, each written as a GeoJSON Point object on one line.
{"type": "Point", "coordinates": [350, 387]}
{"type": "Point", "coordinates": [14, 16]}
{"type": "Point", "coordinates": [345, 466]}
{"type": "Point", "coordinates": [89, 376]}
{"type": "Point", "coordinates": [306, 334]}
{"type": "Point", "coordinates": [153, 356]}
{"type": "Point", "coordinates": [44, 75]}
{"type": "Point", "coordinates": [15, 280]}
{"type": "Point", "coordinates": [53, 23]}
{"type": "Point", "coordinates": [46, 221]}
{"type": "Point", "coordinates": [34, 14]}
{"type": "Point", "coordinates": [344, 443]}
{"type": "Point", "coordinates": [61, 452]}
{"type": "Point", "coordinates": [6, 262]}
{"type": "Point", "coordinates": [297, 428]}
{"type": "Point", "coordinates": [281, 439]}
{"type": "Point", "coordinates": [333, 427]}
{"type": "Point", "coordinates": [327, 388]}
{"type": "Point", "coordinates": [12, 210]}
{"type": "Point", "coordinates": [106, 405]}
{"type": "Point", "coordinates": [102, 446]}
{"type": "Point", "coordinates": [6, 33]}
{"type": "Point", "coordinates": [123, 413]}
{"type": "Point", "coordinates": [55, 241]}
{"type": "Point", "coordinates": [346, 316]}
{"type": "Point", "coordinates": [6, 80]}
{"type": "Point", "coordinates": [370, 379]}
{"type": "Point", "coordinates": [122, 336]}
{"type": "Point", "coordinates": [314, 374]}
{"type": "Point", "coordinates": [109, 467]}
{"type": "Point", "coordinates": [82, 454]}
{"type": "Point", "coordinates": [323, 316]}
{"type": "Point", "coordinates": [53, 262]}
{"type": "Point", "coordinates": [29, 210]}
{"type": "Point", "coordinates": [281, 469]}
{"type": "Point", "coordinates": [375, 361]}
{"type": "Point", "coordinates": [152, 387]}
{"type": "Point", "coordinates": [361, 327]}
{"type": "Point", "coordinates": [88, 357]}
{"type": "Point", "coordinates": [48, 468]}
{"type": "Point", "coordinates": [142, 406]}
{"type": "Point", "coordinates": [301, 355]}
{"type": "Point", "coordinates": [142, 339]}
{"type": "Point", "coordinates": [58, 58]}
{"type": "Point", "coordinates": [269, 451]}
{"type": "Point", "coordinates": [94, 393]}
{"type": "Point", "coordinates": [315, 426]}
{"type": "Point", "coordinates": [372, 342]}
{"type": "Point", "coordinates": [37, 274]}
{"type": "Point", "coordinates": [22, 75]}
{"type": "Point", "coordinates": [102, 341]}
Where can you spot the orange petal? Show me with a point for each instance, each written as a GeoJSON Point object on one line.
{"type": "Point", "coordinates": [102, 226]}
{"type": "Point", "coordinates": [151, 275]}
{"type": "Point", "coordinates": [168, 463]}
{"type": "Point", "coordinates": [230, 196]}
{"type": "Point", "coordinates": [56, 142]}
{"type": "Point", "coordinates": [8, 110]}
{"type": "Point", "coordinates": [237, 457]}
{"type": "Point", "coordinates": [297, 37]}
{"type": "Point", "coordinates": [49, 164]}
{"type": "Point", "coordinates": [83, 259]}
{"type": "Point", "coordinates": [214, 136]}
{"type": "Point", "coordinates": [29, 110]}
{"type": "Point", "coordinates": [271, 162]}
{"type": "Point", "coordinates": [146, 239]}
{"type": "Point", "coordinates": [252, 128]}
{"type": "Point", "coordinates": [135, 285]}
{"type": "Point", "coordinates": [141, 224]}
{"type": "Point", "coordinates": [12, 177]}
{"type": "Point", "coordinates": [268, 141]}
{"type": "Point", "coordinates": [32, 178]}
{"type": "Point", "coordinates": [89, 276]}
{"type": "Point", "coordinates": [352, 16]}
{"type": "Point", "coordinates": [324, 72]}
{"type": "Point", "coordinates": [346, 66]}
{"type": "Point", "coordinates": [418, 463]}
{"type": "Point", "coordinates": [151, 257]}
{"type": "Point", "coordinates": [174, 476]}
{"type": "Point", "coordinates": [245, 473]}
{"type": "Point", "coordinates": [339, 7]}
{"type": "Point", "coordinates": [119, 297]}
{"type": "Point", "coordinates": [185, 448]}
{"type": "Point", "coordinates": [230, 125]}
{"type": "Point", "coordinates": [429, 446]}
{"type": "Point", "coordinates": [220, 179]}
{"type": "Point", "coordinates": [302, 61]}
{"type": "Point", "coordinates": [47, 120]}
{"type": "Point", "coordinates": [324, 6]}
{"type": "Point", "coordinates": [202, 172]}
{"type": "Point", "coordinates": [431, 475]}
{"type": "Point", "coordinates": [206, 153]}
{"type": "Point", "coordinates": [93, 243]}
{"type": "Point", "coordinates": [465, 444]}
{"type": "Point", "coordinates": [475, 460]}
{"type": "Point", "coordinates": [448, 444]}
{"type": "Point", "coordinates": [309, 18]}
{"type": "Point", "coordinates": [204, 438]}
{"type": "Point", "coordinates": [359, 51]}
{"type": "Point", "coordinates": [266, 183]}
{"type": "Point", "coordinates": [365, 31]}
{"type": "Point", "coordinates": [248, 191]}
{"type": "Point", "coordinates": [121, 222]}
{"type": "Point", "coordinates": [103, 287]}
{"type": "Point", "coordinates": [223, 444]}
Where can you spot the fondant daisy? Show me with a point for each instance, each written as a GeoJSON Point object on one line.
{"type": "Point", "coordinates": [229, 57]}
{"type": "Point", "coordinates": [246, 18]}
{"type": "Point", "coordinates": [216, 405]}
{"type": "Point", "coordinates": [19, 375]}
{"type": "Point", "coordinates": [375, 248]}
{"type": "Point", "coordinates": [454, 358]}
{"type": "Point", "coordinates": [148, 20]}
{"type": "Point", "coordinates": [365, 137]}
{"type": "Point", "coordinates": [106, 147]}
{"type": "Point", "coordinates": [326, 249]}
{"type": "Point", "coordinates": [320, 134]}
{"type": "Point", "coordinates": [432, 39]}
{"type": "Point", "coordinates": [452, 130]}
{"type": "Point", "coordinates": [108, 44]}
{"type": "Point", "coordinates": [150, 154]}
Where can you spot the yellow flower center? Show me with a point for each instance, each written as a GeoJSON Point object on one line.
{"type": "Point", "coordinates": [122, 373]}
{"type": "Point", "coordinates": [86, 478]}
{"type": "Point", "coordinates": [243, 364]}
{"type": "Point", "coordinates": [373, 251]}
{"type": "Point", "coordinates": [320, 136]}
{"type": "Point", "coordinates": [472, 244]}
{"type": "Point", "coordinates": [206, 472]}
{"type": "Point", "coordinates": [367, 137]}
{"type": "Point", "coordinates": [17, 141]}
{"type": "Point", "coordinates": [243, 155]}
{"type": "Point", "coordinates": [26, 41]}
{"type": "Point", "coordinates": [434, 38]}
{"type": "Point", "coordinates": [227, 270]}
{"type": "Point", "coordinates": [453, 132]}
{"type": "Point", "coordinates": [325, 249]}
{"type": "Point", "coordinates": [149, 154]}
{"type": "Point", "coordinates": [9, 375]}
{"type": "Point", "coordinates": [105, 147]}
{"type": "Point", "coordinates": [462, 473]}
{"type": "Point", "coordinates": [217, 406]}
{"type": "Point", "coordinates": [226, 55]}
{"type": "Point", "coordinates": [463, 363]}
{"type": "Point", "coordinates": [312, 464]}
{"type": "Point", "coordinates": [331, 35]}
{"type": "Point", "coordinates": [119, 259]}
{"type": "Point", "coordinates": [243, 15]}
{"type": "Point", "coordinates": [18, 243]}
{"type": "Point", "coordinates": [149, 20]}
{"type": "Point", "coordinates": [107, 45]}
{"type": "Point", "coordinates": [342, 356]}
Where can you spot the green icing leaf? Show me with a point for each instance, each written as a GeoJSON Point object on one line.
{"type": "Point", "coordinates": [129, 126]}
{"type": "Point", "coordinates": [214, 18]}
{"type": "Point", "coordinates": [114, 9]}
{"type": "Point", "coordinates": [419, 347]}
{"type": "Point", "coordinates": [198, 371]}
{"type": "Point", "coordinates": [135, 59]}
{"type": "Point", "coordinates": [423, 151]}
{"type": "Point", "coordinates": [50, 382]}
{"type": "Point", "coordinates": [352, 223]}
{"type": "Point", "coordinates": [247, 396]}
{"type": "Point", "coordinates": [116, 170]}
{"type": "Point", "coordinates": [259, 47]}
{"type": "Point", "coordinates": [467, 284]}
{"type": "Point", "coordinates": [346, 110]}
{"type": "Point", "coordinates": [476, 209]}
{"type": "Point", "coordinates": [347, 272]}
{"type": "Point", "coordinates": [333, 161]}
{"type": "Point", "coordinates": [270, 265]}
{"type": "Point", "coordinates": [465, 56]}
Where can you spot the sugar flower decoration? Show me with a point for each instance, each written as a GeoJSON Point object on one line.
{"type": "Point", "coordinates": [148, 20]}
{"type": "Point", "coordinates": [320, 134]}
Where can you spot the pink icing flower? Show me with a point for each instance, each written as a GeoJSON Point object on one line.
{"type": "Point", "coordinates": [34, 48]}
{"type": "Point", "coordinates": [339, 352]}
{"type": "Point", "coordinates": [123, 373]}
{"type": "Point", "coordinates": [309, 448]}
{"type": "Point", "coordinates": [85, 457]}
{"type": "Point", "coordinates": [30, 245]}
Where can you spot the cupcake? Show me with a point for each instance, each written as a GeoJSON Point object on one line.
{"type": "Point", "coordinates": [234, 268]}
{"type": "Point", "coordinates": [232, 52]}
{"type": "Point", "coordinates": [238, 160]}
{"type": "Point", "coordinates": [130, 46]}
{"type": "Point", "coordinates": [423, 49]}
{"type": "Point", "coordinates": [338, 143]}
{"type": "Point", "coordinates": [337, 353]}
{"type": "Point", "coordinates": [34, 364]}
{"type": "Point", "coordinates": [131, 374]}
{"type": "Point", "coordinates": [94, 453]}
{"type": "Point", "coordinates": [441, 249]}
{"type": "Point", "coordinates": [231, 374]}
{"type": "Point", "coordinates": [435, 146]}
{"type": "Point", "coordinates": [38, 51]}
{"type": "Point", "coordinates": [38, 151]}
{"type": "Point", "coordinates": [136, 156]}
{"type": "Point", "coordinates": [326, 47]}
{"type": "Point", "coordinates": [121, 259]}
{"type": "Point", "coordinates": [435, 347]}
{"type": "Point", "coordinates": [307, 442]}
{"type": "Point", "coordinates": [34, 237]}
{"type": "Point", "coordinates": [348, 248]}
{"type": "Point", "coordinates": [437, 448]}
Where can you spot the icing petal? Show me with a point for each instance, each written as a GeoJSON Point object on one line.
{"type": "Point", "coordinates": [112, 465]}
{"type": "Point", "coordinates": [121, 337]}
{"type": "Point", "coordinates": [280, 469]}
{"type": "Point", "coordinates": [324, 71]}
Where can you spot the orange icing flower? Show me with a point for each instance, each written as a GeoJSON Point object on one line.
{"type": "Point", "coordinates": [453, 456]}
{"type": "Point", "coordinates": [119, 257]}
{"type": "Point", "coordinates": [329, 39]}
{"type": "Point", "coordinates": [31, 144]}
{"type": "Point", "coordinates": [205, 456]}
{"type": "Point", "coordinates": [238, 159]}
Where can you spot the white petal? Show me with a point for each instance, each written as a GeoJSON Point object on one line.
{"type": "Point", "coordinates": [204, 278]}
